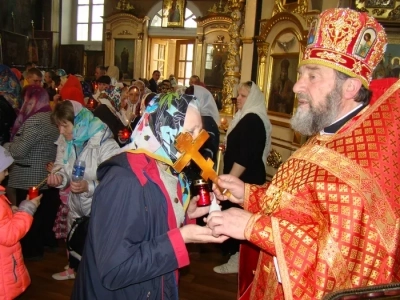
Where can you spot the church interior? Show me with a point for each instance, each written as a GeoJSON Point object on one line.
{"type": "Point", "coordinates": [223, 42]}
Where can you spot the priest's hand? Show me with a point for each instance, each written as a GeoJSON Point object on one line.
{"type": "Point", "coordinates": [231, 222]}
{"type": "Point", "coordinates": [234, 185]}
{"type": "Point", "coordinates": [196, 234]}
{"type": "Point", "coordinates": [194, 211]}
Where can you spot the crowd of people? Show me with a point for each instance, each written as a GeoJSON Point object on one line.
{"type": "Point", "coordinates": [328, 220]}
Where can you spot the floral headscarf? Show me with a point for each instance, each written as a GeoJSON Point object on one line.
{"type": "Point", "coordinates": [87, 89]}
{"type": "Point", "coordinates": [157, 130]}
{"type": "Point", "coordinates": [86, 125]}
{"type": "Point", "coordinates": [113, 94]}
{"type": "Point", "coordinates": [10, 87]}
{"type": "Point", "coordinates": [36, 101]}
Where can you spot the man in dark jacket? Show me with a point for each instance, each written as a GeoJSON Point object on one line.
{"type": "Point", "coordinates": [153, 81]}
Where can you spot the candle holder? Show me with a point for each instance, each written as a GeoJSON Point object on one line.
{"type": "Point", "coordinates": [202, 190]}
{"type": "Point", "coordinates": [33, 192]}
{"type": "Point", "coordinates": [91, 104]}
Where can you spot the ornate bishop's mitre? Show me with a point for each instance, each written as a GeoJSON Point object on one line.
{"type": "Point", "coordinates": [346, 40]}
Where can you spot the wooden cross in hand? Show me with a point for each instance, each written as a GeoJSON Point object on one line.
{"type": "Point", "coordinates": [189, 149]}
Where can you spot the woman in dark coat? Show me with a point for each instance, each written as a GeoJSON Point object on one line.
{"type": "Point", "coordinates": [136, 241]}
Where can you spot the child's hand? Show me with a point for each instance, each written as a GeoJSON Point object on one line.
{"type": "Point", "coordinates": [49, 167]}
{"type": "Point", "coordinates": [54, 180]}
{"type": "Point", "coordinates": [36, 200]}
{"type": "Point", "coordinates": [14, 209]}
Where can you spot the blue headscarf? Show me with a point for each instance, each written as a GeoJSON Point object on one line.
{"type": "Point", "coordinates": [10, 87]}
{"type": "Point", "coordinates": [87, 89]}
{"type": "Point", "coordinates": [61, 72]}
{"type": "Point", "coordinates": [86, 125]}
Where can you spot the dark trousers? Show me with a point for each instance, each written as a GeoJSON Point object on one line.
{"type": "Point", "coordinates": [73, 262]}
{"type": "Point", "coordinates": [41, 232]}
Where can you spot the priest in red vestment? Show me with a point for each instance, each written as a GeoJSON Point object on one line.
{"type": "Point", "coordinates": [330, 217]}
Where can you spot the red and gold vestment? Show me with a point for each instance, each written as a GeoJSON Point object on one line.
{"type": "Point", "coordinates": [337, 222]}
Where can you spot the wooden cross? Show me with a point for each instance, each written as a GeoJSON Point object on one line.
{"type": "Point", "coordinates": [189, 149]}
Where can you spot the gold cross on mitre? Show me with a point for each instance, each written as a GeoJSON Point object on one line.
{"type": "Point", "coordinates": [189, 150]}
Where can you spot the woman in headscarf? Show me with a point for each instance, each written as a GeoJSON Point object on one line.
{"type": "Point", "coordinates": [210, 116]}
{"type": "Point", "coordinates": [71, 88]}
{"type": "Point", "coordinates": [135, 117]}
{"type": "Point", "coordinates": [86, 138]}
{"type": "Point", "coordinates": [109, 110]}
{"type": "Point", "coordinates": [248, 142]}
{"type": "Point", "coordinates": [113, 72]}
{"type": "Point", "coordinates": [136, 242]}
{"type": "Point", "coordinates": [32, 147]}
{"type": "Point", "coordinates": [141, 86]}
{"type": "Point", "coordinates": [134, 96]}
{"type": "Point", "coordinates": [61, 72]}
{"type": "Point", "coordinates": [10, 87]}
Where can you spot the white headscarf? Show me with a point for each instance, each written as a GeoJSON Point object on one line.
{"type": "Point", "coordinates": [77, 106]}
{"type": "Point", "coordinates": [254, 104]}
{"type": "Point", "coordinates": [207, 104]}
{"type": "Point", "coordinates": [113, 72]}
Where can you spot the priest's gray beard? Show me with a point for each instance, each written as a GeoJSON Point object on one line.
{"type": "Point", "coordinates": [312, 119]}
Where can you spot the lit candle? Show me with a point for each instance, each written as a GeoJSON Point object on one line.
{"type": "Point", "coordinates": [125, 133]}
{"type": "Point", "coordinates": [223, 121]}
{"type": "Point", "coordinates": [33, 192]}
{"type": "Point", "coordinates": [56, 90]}
{"type": "Point", "coordinates": [221, 149]}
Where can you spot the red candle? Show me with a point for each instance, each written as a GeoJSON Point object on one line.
{"type": "Point", "coordinates": [126, 133]}
{"type": "Point", "coordinates": [202, 190]}
{"type": "Point", "coordinates": [33, 192]}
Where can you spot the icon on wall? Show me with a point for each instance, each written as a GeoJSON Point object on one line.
{"type": "Point", "coordinates": [173, 13]}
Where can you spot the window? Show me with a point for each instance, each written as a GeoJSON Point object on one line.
{"type": "Point", "coordinates": [158, 56]}
{"type": "Point", "coordinates": [189, 19]}
{"type": "Point", "coordinates": [89, 21]}
{"type": "Point", "coordinates": [185, 50]}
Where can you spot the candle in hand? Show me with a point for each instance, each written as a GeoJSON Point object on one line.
{"type": "Point", "coordinates": [56, 90]}
{"type": "Point", "coordinates": [33, 192]}
{"type": "Point", "coordinates": [126, 133]}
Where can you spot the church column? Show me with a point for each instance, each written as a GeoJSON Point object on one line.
{"type": "Point", "coordinates": [232, 64]}
{"type": "Point", "coordinates": [247, 39]}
